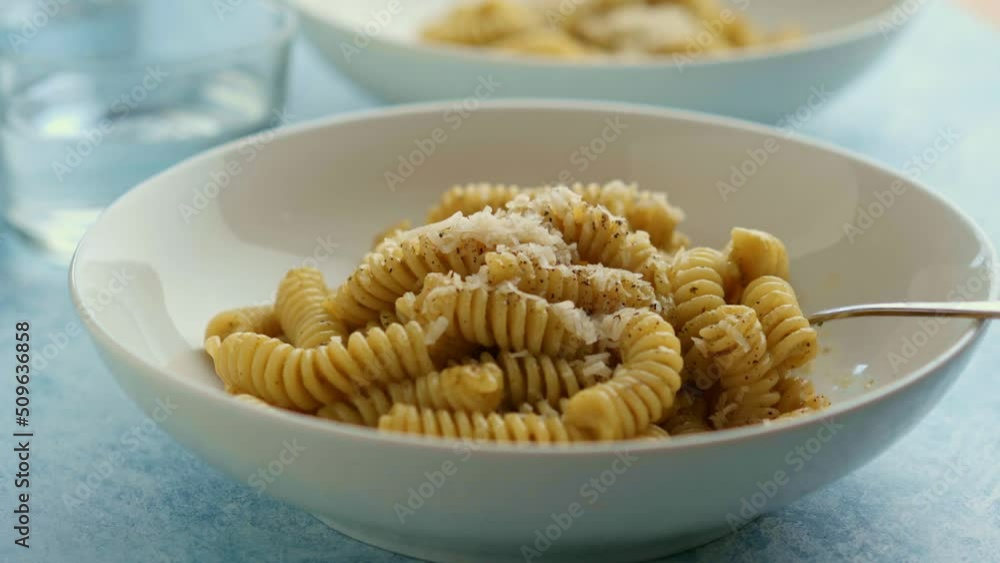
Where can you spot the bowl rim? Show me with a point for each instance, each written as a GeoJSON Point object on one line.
{"type": "Point", "coordinates": [842, 35]}
{"type": "Point", "coordinates": [315, 424]}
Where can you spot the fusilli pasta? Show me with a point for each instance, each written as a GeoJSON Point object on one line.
{"type": "Point", "coordinates": [503, 316]}
{"type": "Point", "coordinates": [483, 23]}
{"type": "Point", "coordinates": [603, 28]}
{"type": "Point", "coordinates": [756, 253]}
{"type": "Point", "coordinates": [690, 414]}
{"type": "Point", "coordinates": [533, 315]}
{"type": "Point", "coordinates": [469, 387]}
{"type": "Point", "coordinates": [790, 339]}
{"type": "Point", "coordinates": [593, 288]}
{"type": "Point", "coordinates": [306, 378]}
{"type": "Point", "coordinates": [798, 395]}
{"type": "Point", "coordinates": [654, 432]}
{"type": "Point", "coordinates": [734, 341]}
{"type": "Point", "coordinates": [510, 427]}
{"type": "Point", "coordinates": [643, 386]}
{"type": "Point", "coordinates": [543, 41]}
{"type": "Point", "coordinates": [642, 210]}
{"type": "Point", "coordinates": [472, 198]}
{"type": "Point", "coordinates": [701, 278]}
{"type": "Point", "coordinates": [260, 319]}
{"type": "Point", "coordinates": [544, 408]}
{"type": "Point", "coordinates": [299, 306]}
{"type": "Point", "coordinates": [457, 244]}
{"type": "Point", "coordinates": [600, 236]}
{"type": "Point", "coordinates": [535, 379]}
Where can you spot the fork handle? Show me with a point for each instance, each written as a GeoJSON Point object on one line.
{"type": "Point", "coordinates": [967, 309]}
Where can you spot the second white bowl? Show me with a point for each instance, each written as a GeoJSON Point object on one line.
{"type": "Point", "coordinates": [377, 44]}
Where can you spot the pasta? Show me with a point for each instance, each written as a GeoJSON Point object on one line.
{"type": "Point", "coordinates": [260, 319]}
{"type": "Point", "coordinates": [701, 278]}
{"type": "Point", "coordinates": [652, 29]}
{"type": "Point", "coordinates": [483, 23]}
{"type": "Point", "coordinates": [472, 388]}
{"type": "Point", "coordinates": [384, 320]}
{"type": "Point", "coordinates": [690, 414]}
{"type": "Point", "coordinates": [653, 433]}
{"type": "Point", "coordinates": [595, 289]}
{"type": "Point", "coordinates": [503, 316]}
{"type": "Point", "coordinates": [790, 339]}
{"type": "Point", "coordinates": [537, 379]}
{"type": "Point", "coordinates": [543, 408]}
{"type": "Point", "coordinates": [642, 389]}
{"type": "Point", "coordinates": [472, 198]}
{"type": "Point", "coordinates": [624, 28]}
{"type": "Point", "coordinates": [543, 41]}
{"type": "Point", "coordinates": [756, 254]}
{"type": "Point", "coordinates": [798, 397]}
{"type": "Point", "coordinates": [642, 210]}
{"type": "Point", "coordinates": [735, 343]}
{"type": "Point", "coordinates": [456, 244]}
{"type": "Point", "coordinates": [537, 315]}
{"type": "Point", "coordinates": [306, 378]}
{"type": "Point", "coordinates": [510, 427]}
{"type": "Point", "coordinates": [600, 236]}
{"type": "Point", "coordinates": [299, 306]}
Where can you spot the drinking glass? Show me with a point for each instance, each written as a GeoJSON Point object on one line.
{"type": "Point", "coordinates": [98, 95]}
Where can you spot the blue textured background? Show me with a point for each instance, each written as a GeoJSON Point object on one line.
{"type": "Point", "coordinates": [160, 504]}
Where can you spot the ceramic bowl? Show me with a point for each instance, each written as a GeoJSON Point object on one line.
{"type": "Point", "coordinates": [377, 45]}
{"type": "Point", "coordinates": [219, 231]}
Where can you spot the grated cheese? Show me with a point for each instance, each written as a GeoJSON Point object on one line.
{"type": "Point", "coordinates": [701, 346]}
{"type": "Point", "coordinates": [434, 330]}
{"type": "Point", "coordinates": [576, 321]}
{"type": "Point", "coordinates": [598, 357]}
{"type": "Point", "coordinates": [536, 253]}
{"type": "Point", "coordinates": [733, 332]}
{"type": "Point", "coordinates": [406, 306]}
{"type": "Point", "coordinates": [555, 199]}
{"type": "Point", "coordinates": [597, 365]}
{"type": "Point", "coordinates": [439, 292]}
{"type": "Point", "coordinates": [611, 327]}
{"type": "Point", "coordinates": [489, 228]}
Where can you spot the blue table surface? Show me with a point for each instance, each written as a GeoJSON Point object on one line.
{"type": "Point", "coordinates": [161, 504]}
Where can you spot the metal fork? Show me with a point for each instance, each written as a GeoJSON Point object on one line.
{"type": "Point", "coordinates": [968, 309]}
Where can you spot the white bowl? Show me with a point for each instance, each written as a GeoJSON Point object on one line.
{"type": "Point", "coordinates": [377, 44]}
{"type": "Point", "coordinates": [174, 251]}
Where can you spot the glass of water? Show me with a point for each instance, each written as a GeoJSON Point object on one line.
{"type": "Point", "coordinates": [98, 95]}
